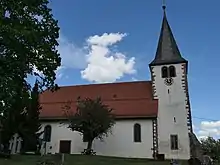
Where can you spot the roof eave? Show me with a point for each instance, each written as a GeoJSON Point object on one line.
{"type": "Point", "coordinates": [153, 116]}
{"type": "Point", "coordinates": [155, 63]}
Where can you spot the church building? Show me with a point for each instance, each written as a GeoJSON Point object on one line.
{"type": "Point", "coordinates": [152, 117]}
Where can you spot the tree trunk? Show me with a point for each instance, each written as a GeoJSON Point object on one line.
{"type": "Point", "coordinates": [1, 135]}
{"type": "Point", "coordinates": [0, 140]}
{"type": "Point", "coordinates": [89, 147]}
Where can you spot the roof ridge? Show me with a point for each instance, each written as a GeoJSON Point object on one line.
{"type": "Point", "coordinates": [114, 83]}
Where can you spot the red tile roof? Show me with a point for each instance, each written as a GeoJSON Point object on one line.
{"type": "Point", "coordinates": [128, 99]}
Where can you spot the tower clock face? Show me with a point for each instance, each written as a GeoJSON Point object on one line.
{"type": "Point", "coordinates": [168, 81]}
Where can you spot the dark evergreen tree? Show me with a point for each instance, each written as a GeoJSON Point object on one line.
{"type": "Point", "coordinates": [32, 125]}
{"type": "Point", "coordinates": [14, 116]}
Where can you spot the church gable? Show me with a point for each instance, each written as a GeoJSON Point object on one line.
{"type": "Point", "coordinates": [128, 99]}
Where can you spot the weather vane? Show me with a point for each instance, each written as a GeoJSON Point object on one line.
{"type": "Point", "coordinates": [163, 4]}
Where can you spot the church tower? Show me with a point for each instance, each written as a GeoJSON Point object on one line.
{"type": "Point", "coordinates": [170, 87]}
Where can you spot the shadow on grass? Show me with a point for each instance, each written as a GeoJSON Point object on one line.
{"type": "Point", "coordinates": [81, 160]}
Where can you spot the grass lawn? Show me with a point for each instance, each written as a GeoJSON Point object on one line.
{"type": "Point", "coordinates": [81, 160]}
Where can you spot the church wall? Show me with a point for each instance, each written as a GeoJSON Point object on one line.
{"type": "Point", "coordinates": [172, 112]}
{"type": "Point", "coordinates": [120, 143]}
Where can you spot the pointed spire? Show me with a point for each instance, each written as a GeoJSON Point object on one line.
{"type": "Point", "coordinates": [167, 49]}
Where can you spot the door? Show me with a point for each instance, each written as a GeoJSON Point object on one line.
{"type": "Point", "coordinates": [65, 146]}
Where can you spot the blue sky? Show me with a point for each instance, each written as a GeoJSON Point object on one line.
{"type": "Point", "coordinates": [137, 24]}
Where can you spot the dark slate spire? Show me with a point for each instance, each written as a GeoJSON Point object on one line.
{"type": "Point", "coordinates": [167, 50]}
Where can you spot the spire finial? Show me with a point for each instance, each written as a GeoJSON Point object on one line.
{"type": "Point", "coordinates": [163, 5]}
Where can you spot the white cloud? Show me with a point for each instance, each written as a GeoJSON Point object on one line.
{"type": "Point", "coordinates": [106, 39]}
{"type": "Point", "coordinates": [72, 56]}
{"type": "Point", "coordinates": [97, 61]}
{"type": "Point", "coordinates": [59, 72]}
{"type": "Point", "coordinates": [210, 124]}
{"type": "Point", "coordinates": [208, 128]}
{"type": "Point", "coordinates": [194, 127]}
{"type": "Point", "coordinates": [104, 65]}
{"type": "Point", "coordinates": [134, 79]}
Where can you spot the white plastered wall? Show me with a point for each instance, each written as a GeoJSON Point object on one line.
{"type": "Point", "coordinates": [171, 103]}
{"type": "Point", "coordinates": [120, 143]}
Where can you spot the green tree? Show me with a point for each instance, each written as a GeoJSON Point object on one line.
{"type": "Point", "coordinates": [23, 118]}
{"type": "Point", "coordinates": [92, 118]}
{"type": "Point", "coordinates": [211, 147]}
{"type": "Point", "coordinates": [28, 40]}
{"type": "Point", "coordinates": [14, 116]}
{"type": "Point", "coordinates": [31, 125]}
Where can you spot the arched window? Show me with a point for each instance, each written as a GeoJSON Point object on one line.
{"type": "Point", "coordinates": [137, 132]}
{"type": "Point", "coordinates": [164, 72]}
{"type": "Point", "coordinates": [47, 133]}
{"type": "Point", "coordinates": [172, 71]}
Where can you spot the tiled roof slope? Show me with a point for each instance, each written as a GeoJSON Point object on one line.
{"type": "Point", "coordinates": [128, 99]}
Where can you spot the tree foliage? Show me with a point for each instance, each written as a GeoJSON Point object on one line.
{"type": "Point", "coordinates": [23, 118]}
{"type": "Point", "coordinates": [14, 116]}
{"type": "Point", "coordinates": [211, 147]}
{"type": "Point", "coordinates": [92, 118]}
{"type": "Point", "coordinates": [31, 125]}
{"type": "Point", "coordinates": [28, 40]}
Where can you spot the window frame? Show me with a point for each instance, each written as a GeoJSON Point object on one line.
{"type": "Point", "coordinates": [168, 71]}
{"type": "Point", "coordinates": [137, 133]}
{"type": "Point", "coordinates": [47, 128]}
{"type": "Point", "coordinates": [174, 145]}
{"type": "Point", "coordinates": [164, 72]}
{"type": "Point", "coordinates": [172, 70]}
